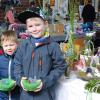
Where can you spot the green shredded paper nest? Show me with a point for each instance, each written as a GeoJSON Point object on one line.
{"type": "Point", "coordinates": [7, 84]}
{"type": "Point", "coordinates": [30, 86]}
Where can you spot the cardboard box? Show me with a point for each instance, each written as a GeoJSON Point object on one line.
{"type": "Point", "coordinates": [56, 29]}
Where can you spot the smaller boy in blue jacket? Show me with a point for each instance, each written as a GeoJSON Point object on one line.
{"type": "Point", "coordinates": [9, 44]}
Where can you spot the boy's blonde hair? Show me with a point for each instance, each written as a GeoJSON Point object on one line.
{"type": "Point", "coordinates": [9, 35]}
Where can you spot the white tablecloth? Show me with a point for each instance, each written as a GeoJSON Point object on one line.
{"type": "Point", "coordinates": [73, 89]}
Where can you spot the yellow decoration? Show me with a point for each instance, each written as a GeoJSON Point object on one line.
{"type": "Point", "coordinates": [79, 45]}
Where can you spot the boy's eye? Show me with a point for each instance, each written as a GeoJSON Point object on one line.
{"type": "Point", "coordinates": [37, 25]}
{"type": "Point", "coordinates": [11, 45]}
{"type": "Point", "coordinates": [34, 25]}
{"type": "Point", "coordinates": [30, 26]}
{"type": "Point", "coordinates": [5, 45]}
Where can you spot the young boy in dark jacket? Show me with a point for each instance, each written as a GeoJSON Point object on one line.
{"type": "Point", "coordinates": [38, 57]}
{"type": "Point", "coordinates": [9, 43]}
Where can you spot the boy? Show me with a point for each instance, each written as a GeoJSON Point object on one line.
{"type": "Point", "coordinates": [9, 43]}
{"type": "Point", "coordinates": [38, 58]}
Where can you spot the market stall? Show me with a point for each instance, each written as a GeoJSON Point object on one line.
{"type": "Point", "coordinates": [73, 89]}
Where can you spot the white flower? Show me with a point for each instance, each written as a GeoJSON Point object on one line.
{"type": "Point", "coordinates": [90, 34]}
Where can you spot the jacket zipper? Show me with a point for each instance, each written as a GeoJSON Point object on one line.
{"type": "Point", "coordinates": [9, 75]}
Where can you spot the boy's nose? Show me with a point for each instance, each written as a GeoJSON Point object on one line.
{"type": "Point", "coordinates": [34, 28]}
{"type": "Point", "coordinates": [9, 47]}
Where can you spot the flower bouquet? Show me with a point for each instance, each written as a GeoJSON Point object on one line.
{"type": "Point", "coordinates": [91, 61]}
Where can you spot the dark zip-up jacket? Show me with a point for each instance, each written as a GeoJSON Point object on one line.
{"type": "Point", "coordinates": [4, 73]}
{"type": "Point", "coordinates": [88, 13]}
{"type": "Point", "coordinates": [44, 62]}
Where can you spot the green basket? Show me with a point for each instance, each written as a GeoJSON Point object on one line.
{"type": "Point", "coordinates": [30, 86]}
{"type": "Point", "coordinates": [7, 84]}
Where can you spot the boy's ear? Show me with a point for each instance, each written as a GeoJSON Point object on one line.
{"type": "Point", "coordinates": [46, 24]}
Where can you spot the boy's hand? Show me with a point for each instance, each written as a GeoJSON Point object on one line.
{"type": "Point", "coordinates": [26, 86]}
{"type": "Point", "coordinates": [23, 78]}
{"type": "Point", "coordinates": [39, 87]}
{"type": "Point", "coordinates": [14, 86]}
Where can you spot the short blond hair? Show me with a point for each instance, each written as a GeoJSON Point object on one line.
{"type": "Point", "coordinates": [9, 35]}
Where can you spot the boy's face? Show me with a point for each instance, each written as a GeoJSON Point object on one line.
{"type": "Point", "coordinates": [9, 47]}
{"type": "Point", "coordinates": [36, 27]}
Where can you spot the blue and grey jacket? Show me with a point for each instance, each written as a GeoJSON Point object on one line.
{"type": "Point", "coordinates": [7, 71]}
{"type": "Point", "coordinates": [43, 62]}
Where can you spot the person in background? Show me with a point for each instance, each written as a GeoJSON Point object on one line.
{"type": "Point", "coordinates": [88, 14]}
{"type": "Point", "coordinates": [9, 17]}
{"type": "Point", "coordinates": [38, 57]}
{"type": "Point", "coordinates": [9, 44]}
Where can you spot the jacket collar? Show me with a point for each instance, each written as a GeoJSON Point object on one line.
{"type": "Point", "coordinates": [39, 41]}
